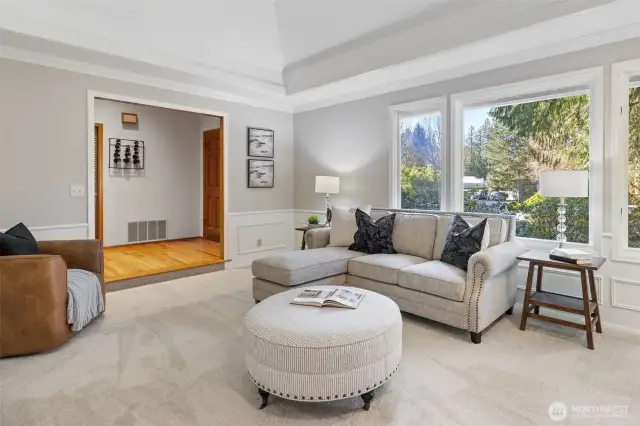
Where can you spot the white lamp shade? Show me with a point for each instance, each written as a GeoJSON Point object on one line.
{"type": "Point", "coordinates": [564, 184]}
{"type": "Point", "coordinates": [328, 184]}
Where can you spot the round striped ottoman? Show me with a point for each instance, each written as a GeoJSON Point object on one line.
{"type": "Point", "coordinates": [310, 354]}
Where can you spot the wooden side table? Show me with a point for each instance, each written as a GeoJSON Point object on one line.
{"type": "Point", "coordinates": [304, 230]}
{"type": "Point", "coordinates": [584, 306]}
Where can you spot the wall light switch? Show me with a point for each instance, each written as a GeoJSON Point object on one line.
{"type": "Point", "coordinates": [76, 190]}
{"type": "Point", "coordinates": [259, 242]}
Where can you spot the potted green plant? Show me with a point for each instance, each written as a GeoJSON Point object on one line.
{"type": "Point", "coordinates": [313, 221]}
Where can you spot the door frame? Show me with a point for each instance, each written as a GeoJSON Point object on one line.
{"type": "Point", "coordinates": [91, 201]}
{"type": "Point", "coordinates": [99, 225]}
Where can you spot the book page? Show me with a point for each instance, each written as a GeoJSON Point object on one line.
{"type": "Point", "coordinates": [313, 296]}
{"type": "Point", "coordinates": [346, 297]}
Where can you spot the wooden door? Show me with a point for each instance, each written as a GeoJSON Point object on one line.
{"type": "Point", "coordinates": [213, 197]}
{"type": "Point", "coordinates": [97, 158]}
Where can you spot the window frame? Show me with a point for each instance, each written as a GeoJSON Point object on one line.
{"type": "Point", "coordinates": [585, 81]}
{"type": "Point", "coordinates": [618, 151]}
{"type": "Point", "coordinates": [423, 107]}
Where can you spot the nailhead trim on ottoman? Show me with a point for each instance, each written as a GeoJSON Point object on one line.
{"type": "Point", "coordinates": [314, 354]}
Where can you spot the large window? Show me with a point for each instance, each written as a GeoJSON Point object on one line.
{"type": "Point", "coordinates": [634, 165]}
{"type": "Point", "coordinates": [625, 153]}
{"type": "Point", "coordinates": [484, 150]}
{"type": "Point", "coordinates": [420, 161]}
{"type": "Point", "coordinates": [507, 145]}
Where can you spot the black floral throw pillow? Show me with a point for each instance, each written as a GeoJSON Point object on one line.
{"type": "Point", "coordinates": [462, 242]}
{"type": "Point", "coordinates": [373, 236]}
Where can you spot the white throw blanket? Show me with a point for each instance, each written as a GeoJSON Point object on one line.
{"type": "Point", "coordinates": [85, 298]}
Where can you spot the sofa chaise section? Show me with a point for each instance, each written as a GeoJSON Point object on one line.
{"type": "Point", "coordinates": [319, 266]}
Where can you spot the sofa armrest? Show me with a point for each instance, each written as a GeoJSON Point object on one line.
{"type": "Point", "coordinates": [33, 304]}
{"type": "Point", "coordinates": [495, 260]}
{"type": "Point", "coordinates": [317, 237]}
{"type": "Point", "coordinates": [492, 284]}
{"type": "Point", "coordinates": [78, 254]}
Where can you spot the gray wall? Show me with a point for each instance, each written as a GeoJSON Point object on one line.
{"type": "Point", "coordinates": [44, 147]}
{"type": "Point", "coordinates": [352, 140]}
{"type": "Point", "coordinates": [169, 187]}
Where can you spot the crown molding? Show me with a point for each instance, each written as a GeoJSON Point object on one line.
{"type": "Point", "coordinates": [610, 23]}
{"type": "Point", "coordinates": [274, 101]}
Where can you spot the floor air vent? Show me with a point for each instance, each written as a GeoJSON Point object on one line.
{"type": "Point", "coordinates": [150, 230]}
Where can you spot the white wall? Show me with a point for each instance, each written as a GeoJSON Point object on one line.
{"type": "Point", "coordinates": [169, 187]}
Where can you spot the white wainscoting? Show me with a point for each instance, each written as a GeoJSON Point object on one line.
{"type": "Point", "coordinates": [74, 231]}
{"type": "Point", "coordinates": [259, 233]}
{"type": "Point", "coordinates": [625, 294]}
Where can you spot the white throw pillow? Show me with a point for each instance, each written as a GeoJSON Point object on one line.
{"type": "Point", "coordinates": [343, 225]}
{"type": "Point", "coordinates": [486, 237]}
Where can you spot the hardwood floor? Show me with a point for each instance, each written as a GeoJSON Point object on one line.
{"type": "Point", "coordinates": [138, 260]}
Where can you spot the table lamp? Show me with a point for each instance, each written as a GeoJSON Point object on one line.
{"type": "Point", "coordinates": [328, 185]}
{"type": "Point", "coordinates": [564, 184]}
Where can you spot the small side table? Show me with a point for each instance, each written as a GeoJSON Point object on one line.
{"type": "Point", "coordinates": [584, 306]}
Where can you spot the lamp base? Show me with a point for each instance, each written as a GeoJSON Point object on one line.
{"type": "Point", "coordinates": [328, 214]}
{"type": "Point", "coordinates": [561, 238]}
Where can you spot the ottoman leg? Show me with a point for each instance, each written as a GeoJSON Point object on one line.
{"type": "Point", "coordinates": [367, 398]}
{"type": "Point", "coordinates": [265, 397]}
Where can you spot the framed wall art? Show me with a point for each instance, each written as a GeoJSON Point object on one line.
{"type": "Point", "coordinates": [260, 142]}
{"type": "Point", "coordinates": [260, 173]}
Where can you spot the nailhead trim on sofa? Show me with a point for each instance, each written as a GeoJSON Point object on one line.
{"type": "Point", "coordinates": [473, 287]}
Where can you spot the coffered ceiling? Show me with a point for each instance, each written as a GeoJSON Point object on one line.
{"type": "Point", "coordinates": [264, 47]}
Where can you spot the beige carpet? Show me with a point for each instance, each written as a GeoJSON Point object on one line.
{"type": "Point", "coordinates": [171, 354]}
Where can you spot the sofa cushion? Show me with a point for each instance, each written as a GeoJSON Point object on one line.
{"type": "Point", "coordinates": [435, 277]}
{"type": "Point", "coordinates": [373, 236]}
{"type": "Point", "coordinates": [382, 267]}
{"type": "Point", "coordinates": [303, 265]}
{"type": "Point", "coordinates": [463, 241]}
{"type": "Point", "coordinates": [415, 234]}
{"type": "Point", "coordinates": [18, 241]}
{"type": "Point", "coordinates": [497, 231]}
{"type": "Point", "coordinates": [343, 225]}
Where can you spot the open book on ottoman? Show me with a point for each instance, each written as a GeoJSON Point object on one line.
{"type": "Point", "coordinates": [333, 297]}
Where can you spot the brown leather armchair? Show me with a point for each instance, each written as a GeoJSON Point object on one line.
{"type": "Point", "coordinates": [33, 294]}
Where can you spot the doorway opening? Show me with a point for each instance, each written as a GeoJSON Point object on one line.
{"type": "Point", "coordinates": [158, 199]}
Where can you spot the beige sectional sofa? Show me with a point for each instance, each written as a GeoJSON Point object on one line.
{"type": "Point", "coordinates": [414, 278]}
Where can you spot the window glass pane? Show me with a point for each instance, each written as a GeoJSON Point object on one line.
{"type": "Point", "coordinates": [420, 161]}
{"type": "Point", "coordinates": [634, 167]}
{"type": "Point", "coordinates": [506, 148]}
